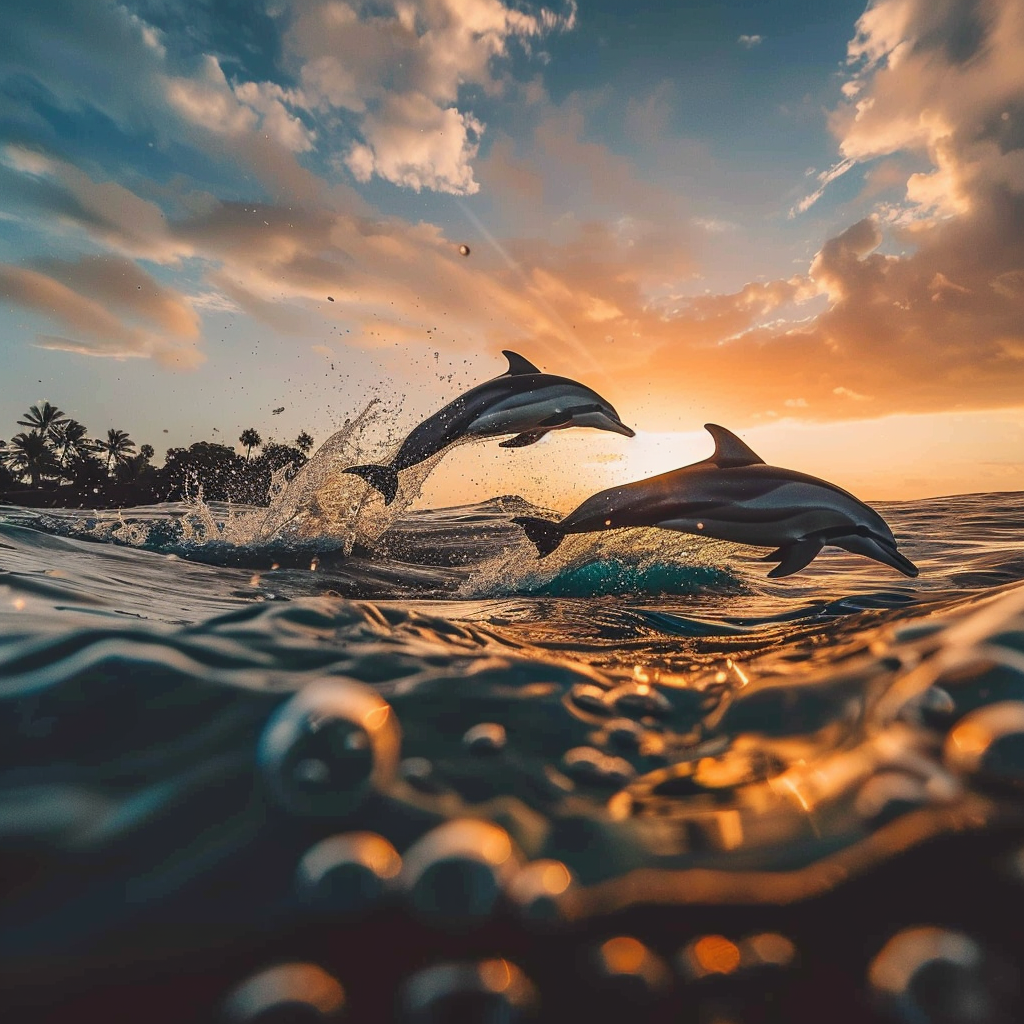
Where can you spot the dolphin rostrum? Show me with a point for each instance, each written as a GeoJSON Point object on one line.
{"type": "Point", "coordinates": [523, 401]}
{"type": "Point", "coordinates": [734, 496]}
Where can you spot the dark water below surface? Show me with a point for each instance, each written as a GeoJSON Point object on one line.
{"type": "Point", "coordinates": [438, 776]}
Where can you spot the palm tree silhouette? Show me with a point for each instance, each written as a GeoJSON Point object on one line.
{"type": "Point", "coordinates": [250, 438]}
{"type": "Point", "coordinates": [304, 442]}
{"type": "Point", "coordinates": [43, 419]}
{"type": "Point", "coordinates": [69, 439]}
{"type": "Point", "coordinates": [118, 446]}
{"type": "Point", "coordinates": [29, 453]}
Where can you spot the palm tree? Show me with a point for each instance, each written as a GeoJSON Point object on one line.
{"type": "Point", "coordinates": [118, 446]}
{"type": "Point", "coordinates": [29, 453]}
{"type": "Point", "coordinates": [43, 419]}
{"type": "Point", "coordinates": [251, 439]}
{"type": "Point", "coordinates": [70, 441]}
{"type": "Point", "coordinates": [304, 442]}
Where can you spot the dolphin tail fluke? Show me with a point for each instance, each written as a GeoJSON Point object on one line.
{"type": "Point", "coordinates": [544, 533]}
{"type": "Point", "coordinates": [793, 557]}
{"type": "Point", "coordinates": [384, 478]}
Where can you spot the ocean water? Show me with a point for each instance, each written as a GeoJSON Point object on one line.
{"type": "Point", "coordinates": [336, 761]}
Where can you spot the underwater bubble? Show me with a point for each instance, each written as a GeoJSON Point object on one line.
{"type": "Point", "coordinates": [489, 991]}
{"type": "Point", "coordinates": [535, 890]}
{"type": "Point", "coordinates": [889, 794]}
{"type": "Point", "coordinates": [589, 698]}
{"type": "Point", "coordinates": [419, 773]}
{"type": "Point", "coordinates": [454, 874]}
{"type": "Point", "coordinates": [346, 874]}
{"type": "Point", "coordinates": [327, 748]}
{"type": "Point", "coordinates": [707, 956]}
{"type": "Point", "coordinates": [485, 738]}
{"type": "Point", "coordinates": [626, 733]}
{"type": "Point", "coordinates": [629, 970]}
{"type": "Point", "coordinates": [767, 950]}
{"type": "Point", "coordinates": [286, 994]}
{"type": "Point", "coordinates": [989, 743]}
{"type": "Point", "coordinates": [982, 676]}
{"type": "Point", "coordinates": [588, 764]}
{"type": "Point", "coordinates": [932, 975]}
{"type": "Point", "coordinates": [933, 707]}
{"type": "Point", "coordinates": [638, 701]}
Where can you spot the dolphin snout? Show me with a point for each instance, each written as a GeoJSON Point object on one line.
{"type": "Point", "coordinates": [620, 428]}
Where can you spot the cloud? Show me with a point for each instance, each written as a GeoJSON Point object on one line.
{"type": "Point", "coordinates": [104, 209]}
{"type": "Point", "coordinates": [825, 178]}
{"type": "Point", "coordinates": [153, 321]}
{"type": "Point", "coordinates": [398, 71]}
{"type": "Point", "coordinates": [749, 42]}
{"type": "Point", "coordinates": [417, 144]}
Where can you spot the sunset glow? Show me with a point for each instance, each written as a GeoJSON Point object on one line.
{"type": "Point", "coordinates": [805, 225]}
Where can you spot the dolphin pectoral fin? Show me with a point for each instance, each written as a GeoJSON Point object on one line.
{"type": "Point", "coordinates": [384, 478]}
{"type": "Point", "coordinates": [730, 451]}
{"type": "Point", "coordinates": [517, 364]}
{"type": "Point", "coordinates": [522, 440]}
{"type": "Point", "coordinates": [794, 557]}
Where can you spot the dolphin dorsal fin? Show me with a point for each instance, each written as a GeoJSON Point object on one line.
{"type": "Point", "coordinates": [730, 451]}
{"type": "Point", "coordinates": [517, 364]}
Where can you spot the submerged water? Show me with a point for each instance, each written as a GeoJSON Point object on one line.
{"type": "Point", "coordinates": [328, 737]}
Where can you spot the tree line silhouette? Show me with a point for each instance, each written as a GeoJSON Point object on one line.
{"type": "Point", "coordinates": [56, 462]}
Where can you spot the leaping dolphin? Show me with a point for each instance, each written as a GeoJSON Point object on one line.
{"type": "Point", "coordinates": [523, 401]}
{"type": "Point", "coordinates": [734, 496]}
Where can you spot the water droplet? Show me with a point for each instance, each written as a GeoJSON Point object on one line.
{"type": "Point", "coordinates": [626, 733]}
{"type": "Point", "coordinates": [296, 993]}
{"type": "Point", "coordinates": [637, 701]}
{"type": "Point", "coordinates": [327, 748]}
{"type": "Point", "coordinates": [630, 971]}
{"type": "Point", "coordinates": [709, 955]}
{"type": "Point", "coordinates": [767, 949]}
{"type": "Point", "coordinates": [989, 743]}
{"type": "Point", "coordinates": [347, 874]}
{"type": "Point", "coordinates": [589, 698]}
{"type": "Point", "coordinates": [464, 250]}
{"type": "Point", "coordinates": [887, 795]}
{"type": "Point", "coordinates": [590, 765]}
{"type": "Point", "coordinates": [419, 773]}
{"type": "Point", "coordinates": [485, 738]}
{"type": "Point", "coordinates": [455, 873]}
{"type": "Point", "coordinates": [938, 976]}
{"type": "Point", "coordinates": [487, 991]}
{"type": "Point", "coordinates": [535, 890]}
{"type": "Point", "coordinates": [933, 708]}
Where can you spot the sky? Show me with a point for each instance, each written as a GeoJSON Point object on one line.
{"type": "Point", "coordinates": [802, 221]}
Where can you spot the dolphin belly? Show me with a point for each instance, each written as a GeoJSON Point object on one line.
{"type": "Point", "coordinates": [742, 525]}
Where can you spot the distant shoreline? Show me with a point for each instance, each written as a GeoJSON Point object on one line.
{"type": "Point", "coordinates": [108, 497]}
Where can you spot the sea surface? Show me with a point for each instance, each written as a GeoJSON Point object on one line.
{"type": "Point", "coordinates": [380, 764]}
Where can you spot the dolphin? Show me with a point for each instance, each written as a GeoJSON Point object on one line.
{"type": "Point", "coordinates": [735, 496]}
{"type": "Point", "coordinates": [523, 401]}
